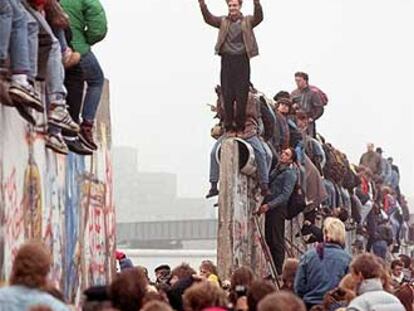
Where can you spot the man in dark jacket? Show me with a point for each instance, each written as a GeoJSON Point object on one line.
{"type": "Point", "coordinates": [371, 160]}
{"type": "Point", "coordinates": [236, 44]}
{"type": "Point", "coordinates": [282, 183]}
{"type": "Point", "coordinates": [88, 25]}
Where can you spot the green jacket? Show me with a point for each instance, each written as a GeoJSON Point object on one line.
{"type": "Point", "coordinates": [87, 22]}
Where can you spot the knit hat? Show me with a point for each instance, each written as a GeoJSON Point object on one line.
{"type": "Point", "coordinates": [125, 263]}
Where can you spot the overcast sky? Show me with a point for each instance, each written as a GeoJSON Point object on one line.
{"type": "Point", "coordinates": [159, 58]}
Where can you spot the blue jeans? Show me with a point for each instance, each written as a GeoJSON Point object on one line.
{"type": "Point", "coordinates": [50, 59]}
{"type": "Point", "coordinates": [6, 16]}
{"type": "Point", "coordinates": [380, 248]}
{"type": "Point", "coordinates": [23, 41]}
{"type": "Point", "coordinates": [262, 160]}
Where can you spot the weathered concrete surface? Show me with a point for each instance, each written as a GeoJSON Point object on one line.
{"type": "Point", "coordinates": [65, 201]}
{"type": "Point", "coordinates": [237, 243]}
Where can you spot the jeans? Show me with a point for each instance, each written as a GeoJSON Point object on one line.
{"type": "Point", "coordinates": [275, 235]}
{"type": "Point", "coordinates": [380, 248]}
{"type": "Point", "coordinates": [23, 41]}
{"type": "Point", "coordinates": [235, 78]}
{"type": "Point", "coordinates": [60, 35]}
{"type": "Point", "coordinates": [330, 201]}
{"type": "Point", "coordinates": [6, 16]}
{"type": "Point", "coordinates": [88, 71]}
{"type": "Point", "coordinates": [50, 58]}
{"type": "Point", "coordinates": [366, 208]}
{"type": "Point", "coordinates": [262, 160]}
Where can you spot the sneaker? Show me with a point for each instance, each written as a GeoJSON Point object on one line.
{"type": "Point", "coordinates": [26, 94]}
{"type": "Point", "coordinates": [26, 113]}
{"type": "Point", "coordinates": [86, 135]}
{"type": "Point", "coordinates": [57, 144]}
{"type": "Point", "coordinates": [212, 193]}
{"type": "Point", "coordinates": [75, 145]}
{"type": "Point", "coordinates": [60, 117]}
{"type": "Point", "coordinates": [71, 58]}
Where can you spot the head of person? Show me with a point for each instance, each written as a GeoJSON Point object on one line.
{"type": "Point", "coordinates": [348, 283]}
{"type": "Point", "coordinates": [390, 160]}
{"type": "Point", "coordinates": [31, 265]}
{"type": "Point", "coordinates": [364, 267]}
{"type": "Point", "coordinates": [406, 260]}
{"type": "Point", "coordinates": [379, 150]}
{"type": "Point", "coordinates": [203, 295]}
{"type": "Point", "coordinates": [281, 301]}
{"type": "Point", "coordinates": [302, 119]}
{"type": "Point", "coordinates": [334, 231]}
{"type": "Point", "coordinates": [156, 306]}
{"type": "Point", "coordinates": [181, 272]}
{"type": "Point", "coordinates": [302, 80]}
{"type": "Point", "coordinates": [257, 291]}
{"type": "Point", "coordinates": [370, 147]}
{"type": "Point", "coordinates": [397, 267]}
{"type": "Point", "coordinates": [280, 95]}
{"type": "Point", "coordinates": [241, 280]}
{"type": "Point", "coordinates": [337, 298]}
{"type": "Point", "coordinates": [289, 272]}
{"type": "Point", "coordinates": [163, 273]}
{"type": "Point", "coordinates": [128, 289]}
{"type": "Point", "coordinates": [96, 298]}
{"type": "Point", "coordinates": [288, 156]}
{"type": "Point", "coordinates": [284, 106]}
{"type": "Point", "coordinates": [207, 268]}
{"type": "Point", "coordinates": [234, 7]}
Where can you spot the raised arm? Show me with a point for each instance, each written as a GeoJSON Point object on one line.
{"type": "Point", "coordinates": [258, 13]}
{"type": "Point", "coordinates": [209, 18]}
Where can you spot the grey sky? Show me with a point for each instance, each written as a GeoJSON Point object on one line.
{"type": "Point", "coordinates": [160, 61]}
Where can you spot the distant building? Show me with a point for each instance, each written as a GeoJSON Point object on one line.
{"type": "Point", "coordinates": [148, 196]}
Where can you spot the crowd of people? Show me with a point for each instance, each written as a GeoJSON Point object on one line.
{"type": "Point", "coordinates": [50, 41]}
{"type": "Point", "coordinates": [325, 279]}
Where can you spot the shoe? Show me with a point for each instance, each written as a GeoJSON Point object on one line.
{"type": "Point", "coordinates": [60, 117]}
{"type": "Point", "coordinates": [25, 113]}
{"type": "Point", "coordinates": [212, 193]}
{"type": "Point", "coordinates": [71, 58]}
{"type": "Point", "coordinates": [76, 146]}
{"type": "Point", "coordinates": [57, 144]}
{"type": "Point", "coordinates": [86, 135]}
{"type": "Point", "coordinates": [26, 94]}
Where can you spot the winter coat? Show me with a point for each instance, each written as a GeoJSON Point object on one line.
{"type": "Point", "coordinates": [309, 101]}
{"type": "Point", "coordinates": [315, 188]}
{"type": "Point", "coordinates": [87, 22]}
{"type": "Point", "coordinates": [282, 183]}
{"type": "Point", "coordinates": [317, 274]}
{"type": "Point", "coordinates": [248, 23]}
{"type": "Point", "coordinates": [372, 297]}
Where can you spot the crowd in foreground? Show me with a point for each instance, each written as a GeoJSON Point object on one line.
{"type": "Point", "coordinates": [326, 279]}
{"type": "Point", "coordinates": [51, 41]}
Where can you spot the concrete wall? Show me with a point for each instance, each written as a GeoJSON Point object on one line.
{"type": "Point", "coordinates": [65, 201]}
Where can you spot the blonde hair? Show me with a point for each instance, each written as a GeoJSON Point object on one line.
{"type": "Point", "coordinates": [334, 231]}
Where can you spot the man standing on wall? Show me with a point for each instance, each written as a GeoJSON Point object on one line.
{"type": "Point", "coordinates": [236, 44]}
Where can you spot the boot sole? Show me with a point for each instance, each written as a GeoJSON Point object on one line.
{"type": "Point", "coordinates": [63, 126]}
{"type": "Point", "coordinates": [22, 97]}
{"type": "Point", "coordinates": [55, 149]}
{"type": "Point", "coordinates": [85, 142]}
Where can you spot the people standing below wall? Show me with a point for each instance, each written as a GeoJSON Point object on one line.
{"type": "Point", "coordinates": [88, 25]}
{"type": "Point", "coordinates": [236, 45]}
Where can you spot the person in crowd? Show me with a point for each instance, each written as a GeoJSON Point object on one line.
{"type": "Point", "coordinates": [156, 306]}
{"type": "Point", "coordinates": [208, 270]}
{"type": "Point", "coordinates": [308, 100]}
{"type": "Point", "coordinates": [236, 44]}
{"type": "Point", "coordinates": [283, 181]}
{"type": "Point", "coordinates": [203, 295]}
{"type": "Point", "coordinates": [240, 282]}
{"type": "Point", "coordinates": [257, 291]}
{"type": "Point", "coordinates": [337, 298]}
{"type": "Point", "coordinates": [394, 181]}
{"type": "Point", "coordinates": [406, 260]}
{"type": "Point", "coordinates": [288, 274]}
{"type": "Point", "coordinates": [123, 260]}
{"type": "Point", "coordinates": [379, 232]}
{"type": "Point", "coordinates": [128, 289]}
{"type": "Point", "coordinates": [163, 274]}
{"type": "Point", "coordinates": [282, 134]}
{"type": "Point", "coordinates": [397, 274]}
{"type": "Point", "coordinates": [405, 294]}
{"type": "Point", "coordinates": [28, 280]}
{"type": "Point", "coordinates": [371, 160]}
{"type": "Point", "coordinates": [281, 301]}
{"type": "Point", "coordinates": [365, 193]}
{"type": "Point", "coordinates": [348, 283]}
{"type": "Point", "coordinates": [366, 270]}
{"type": "Point", "coordinates": [386, 169]}
{"type": "Point", "coordinates": [182, 278]}
{"type": "Point", "coordinates": [181, 272]}
{"type": "Point", "coordinates": [96, 298]}
{"type": "Point", "coordinates": [322, 268]}
{"type": "Point", "coordinates": [88, 25]}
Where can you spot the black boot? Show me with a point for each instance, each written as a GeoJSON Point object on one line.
{"type": "Point", "coordinates": [213, 191]}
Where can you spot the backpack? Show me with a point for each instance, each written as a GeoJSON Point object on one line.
{"type": "Point", "coordinates": [334, 168]}
{"type": "Point", "coordinates": [296, 204]}
{"type": "Point", "coordinates": [322, 94]}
